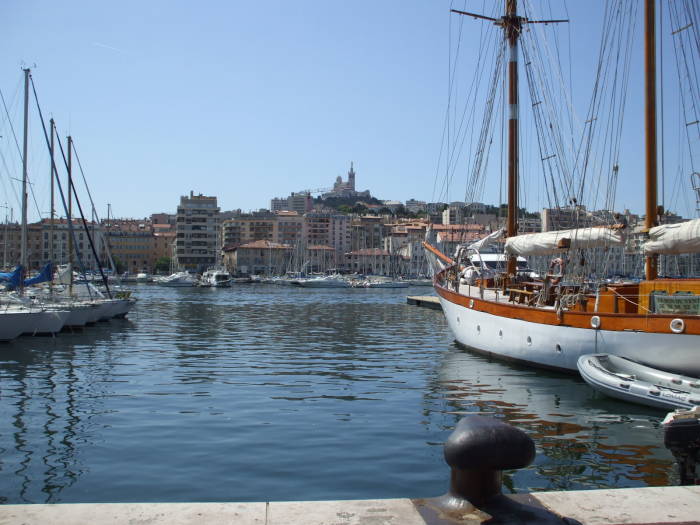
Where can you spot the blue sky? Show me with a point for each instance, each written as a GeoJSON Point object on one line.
{"type": "Point", "coordinates": [253, 100]}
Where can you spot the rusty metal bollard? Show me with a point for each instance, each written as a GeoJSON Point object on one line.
{"type": "Point", "coordinates": [478, 450]}
{"type": "Point", "coordinates": [682, 438]}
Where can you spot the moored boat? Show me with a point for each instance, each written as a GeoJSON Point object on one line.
{"type": "Point", "coordinates": [623, 379]}
{"type": "Point", "coordinates": [327, 281]}
{"type": "Point", "coordinates": [572, 310]}
{"type": "Point", "coordinates": [216, 278]}
{"type": "Point", "coordinates": [177, 280]}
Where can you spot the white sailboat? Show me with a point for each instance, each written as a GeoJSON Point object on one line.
{"type": "Point", "coordinates": [552, 322]}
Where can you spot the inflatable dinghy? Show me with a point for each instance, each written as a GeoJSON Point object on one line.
{"type": "Point", "coordinates": [624, 379]}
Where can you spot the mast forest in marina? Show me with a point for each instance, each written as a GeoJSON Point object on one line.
{"type": "Point", "coordinates": [573, 311]}
{"type": "Point", "coordinates": [48, 310]}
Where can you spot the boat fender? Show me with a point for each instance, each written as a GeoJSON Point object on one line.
{"type": "Point", "coordinates": [471, 303]}
{"type": "Point", "coordinates": [677, 326]}
{"type": "Point", "coordinates": [595, 322]}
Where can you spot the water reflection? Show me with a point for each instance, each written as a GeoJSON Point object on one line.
{"type": "Point", "coordinates": [583, 440]}
{"type": "Point", "coordinates": [48, 402]}
{"type": "Point", "coordinates": [263, 392]}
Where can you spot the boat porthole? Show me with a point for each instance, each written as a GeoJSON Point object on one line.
{"type": "Point", "coordinates": [478, 329]}
{"type": "Point", "coordinates": [500, 334]}
{"type": "Point", "coordinates": [471, 303]}
{"type": "Point", "coordinates": [529, 341]}
{"type": "Point", "coordinates": [677, 326]}
{"type": "Point", "coordinates": [595, 321]}
{"type": "Point", "coordinates": [558, 348]}
{"type": "Point", "coordinates": [458, 320]}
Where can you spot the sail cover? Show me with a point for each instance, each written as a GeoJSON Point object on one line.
{"type": "Point", "coordinates": [11, 279]}
{"type": "Point", "coordinates": [45, 275]}
{"type": "Point", "coordinates": [683, 237]}
{"type": "Point", "coordinates": [547, 243]}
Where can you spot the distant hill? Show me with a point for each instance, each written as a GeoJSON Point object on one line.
{"type": "Point", "coordinates": [336, 202]}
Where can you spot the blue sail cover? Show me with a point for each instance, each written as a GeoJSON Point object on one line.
{"type": "Point", "coordinates": [12, 279]}
{"type": "Point", "coordinates": [46, 274]}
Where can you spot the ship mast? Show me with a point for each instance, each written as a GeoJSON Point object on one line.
{"type": "Point", "coordinates": [650, 268]}
{"type": "Point", "coordinates": [512, 27]}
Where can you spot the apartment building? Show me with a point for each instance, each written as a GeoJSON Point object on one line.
{"type": "Point", "coordinates": [367, 231]}
{"type": "Point", "coordinates": [300, 203]}
{"type": "Point", "coordinates": [259, 257]}
{"type": "Point", "coordinates": [289, 228]}
{"type": "Point", "coordinates": [415, 206]}
{"type": "Point", "coordinates": [374, 261]}
{"type": "Point", "coordinates": [197, 232]}
{"type": "Point", "coordinates": [329, 229]}
{"type": "Point", "coordinates": [244, 229]}
{"type": "Point", "coordinates": [40, 238]}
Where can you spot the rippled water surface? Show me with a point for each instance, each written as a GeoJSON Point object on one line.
{"type": "Point", "coordinates": [262, 393]}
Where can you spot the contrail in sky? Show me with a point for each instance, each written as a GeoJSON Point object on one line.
{"type": "Point", "coordinates": [98, 44]}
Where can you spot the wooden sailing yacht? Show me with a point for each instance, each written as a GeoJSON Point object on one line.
{"type": "Point", "coordinates": [549, 323]}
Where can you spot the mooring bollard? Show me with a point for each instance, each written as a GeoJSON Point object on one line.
{"type": "Point", "coordinates": [682, 438]}
{"type": "Point", "coordinates": [478, 451]}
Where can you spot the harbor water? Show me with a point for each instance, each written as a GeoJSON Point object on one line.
{"type": "Point", "coordinates": [262, 392]}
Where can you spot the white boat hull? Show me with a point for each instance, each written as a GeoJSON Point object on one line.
{"type": "Point", "coordinates": [79, 315]}
{"type": "Point", "coordinates": [322, 283]}
{"type": "Point", "coordinates": [44, 322]}
{"type": "Point", "coordinates": [559, 347]}
{"type": "Point", "coordinates": [635, 383]}
{"type": "Point", "coordinates": [12, 324]}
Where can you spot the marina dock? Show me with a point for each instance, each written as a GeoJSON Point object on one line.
{"type": "Point", "coordinates": [679, 505]}
{"type": "Point", "coordinates": [426, 301]}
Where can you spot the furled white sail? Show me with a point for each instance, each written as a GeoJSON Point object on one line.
{"type": "Point", "coordinates": [683, 237]}
{"type": "Point", "coordinates": [482, 243]}
{"type": "Point", "coordinates": [548, 243]}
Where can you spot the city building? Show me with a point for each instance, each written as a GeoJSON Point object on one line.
{"type": "Point", "coordinates": [43, 235]}
{"type": "Point", "coordinates": [367, 231]}
{"type": "Point", "coordinates": [244, 229]}
{"type": "Point", "coordinates": [415, 206]}
{"type": "Point", "coordinates": [371, 261]}
{"type": "Point", "coordinates": [329, 229]}
{"type": "Point", "coordinates": [289, 228]}
{"type": "Point", "coordinates": [197, 232]}
{"type": "Point", "coordinates": [260, 257]}
{"type": "Point", "coordinates": [132, 251]}
{"type": "Point", "coordinates": [299, 202]}
{"type": "Point", "coordinates": [454, 214]}
{"type": "Point", "coordinates": [565, 218]}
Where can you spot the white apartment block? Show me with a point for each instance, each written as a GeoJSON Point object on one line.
{"type": "Point", "coordinates": [197, 230]}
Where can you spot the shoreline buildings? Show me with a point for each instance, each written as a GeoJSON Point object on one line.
{"type": "Point", "coordinates": [197, 232]}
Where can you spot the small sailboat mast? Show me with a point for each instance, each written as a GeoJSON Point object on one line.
{"type": "Point", "coordinates": [70, 214]}
{"type": "Point", "coordinates": [23, 256]}
{"type": "Point", "coordinates": [651, 266]}
{"type": "Point", "coordinates": [53, 210]}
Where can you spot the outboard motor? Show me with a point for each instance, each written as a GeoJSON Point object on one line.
{"type": "Point", "coordinates": [682, 438]}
